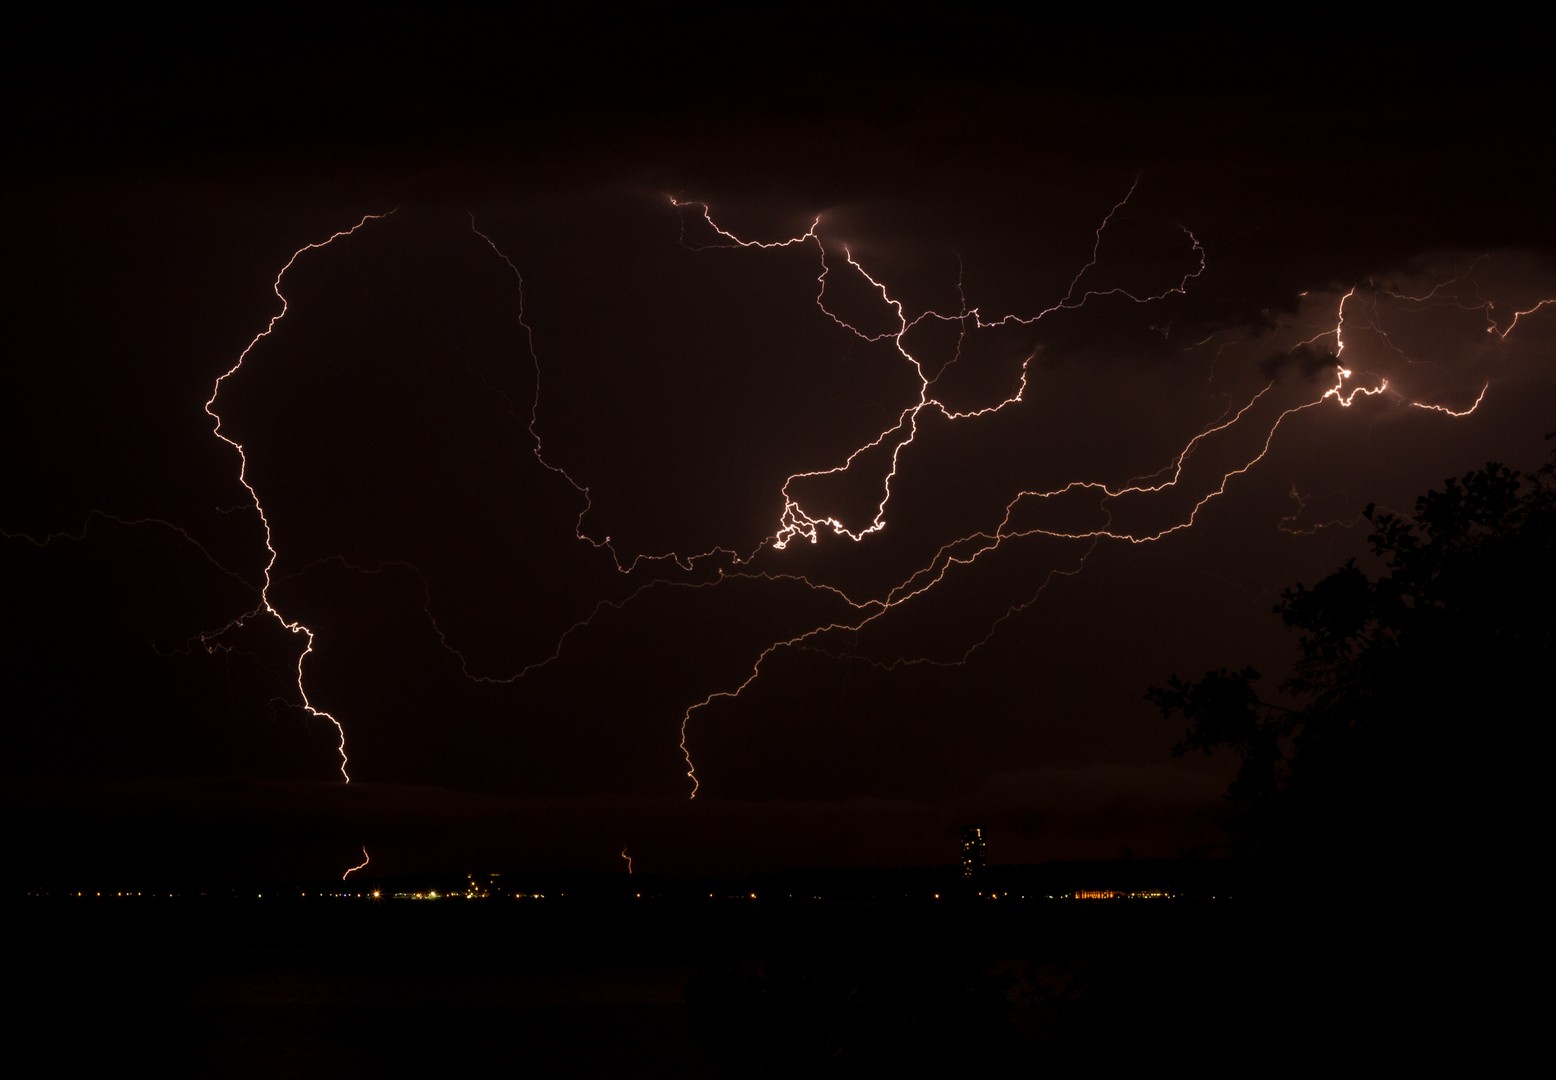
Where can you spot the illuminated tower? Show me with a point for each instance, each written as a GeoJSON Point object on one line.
{"type": "Point", "coordinates": [973, 854]}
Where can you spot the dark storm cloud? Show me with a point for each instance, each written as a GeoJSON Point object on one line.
{"type": "Point", "coordinates": [1308, 362]}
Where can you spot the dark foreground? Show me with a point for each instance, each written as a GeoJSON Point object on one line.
{"type": "Point", "coordinates": [557, 988]}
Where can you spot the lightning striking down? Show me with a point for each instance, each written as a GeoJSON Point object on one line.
{"type": "Point", "coordinates": [211, 638]}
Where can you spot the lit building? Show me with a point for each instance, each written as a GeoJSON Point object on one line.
{"type": "Point", "coordinates": [973, 852]}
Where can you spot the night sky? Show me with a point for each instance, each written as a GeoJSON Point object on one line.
{"type": "Point", "coordinates": [524, 438]}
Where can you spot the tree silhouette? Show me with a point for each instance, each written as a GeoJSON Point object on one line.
{"type": "Point", "coordinates": [1414, 724]}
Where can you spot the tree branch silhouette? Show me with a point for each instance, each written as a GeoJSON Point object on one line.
{"type": "Point", "coordinates": [1414, 728]}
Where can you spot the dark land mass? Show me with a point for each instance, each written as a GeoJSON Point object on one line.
{"type": "Point", "coordinates": [697, 978]}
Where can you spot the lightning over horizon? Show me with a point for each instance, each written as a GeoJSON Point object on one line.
{"type": "Point", "coordinates": [1019, 521]}
{"type": "Point", "coordinates": [930, 345]}
{"type": "Point", "coordinates": [770, 451]}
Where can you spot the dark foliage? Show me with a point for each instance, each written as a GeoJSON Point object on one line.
{"type": "Point", "coordinates": [1416, 715]}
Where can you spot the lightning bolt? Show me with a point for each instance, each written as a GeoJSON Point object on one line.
{"type": "Point", "coordinates": [211, 639]}
{"type": "Point", "coordinates": [76, 537]}
{"type": "Point", "coordinates": [1455, 413]}
{"type": "Point", "coordinates": [1288, 524]}
{"type": "Point", "coordinates": [292, 626]}
{"type": "Point", "coordinates": [1491, 327]}
{"type": "Point", "coordinates": [795, 522]}
{"type": "Point", "coordinates": [1022, 518]}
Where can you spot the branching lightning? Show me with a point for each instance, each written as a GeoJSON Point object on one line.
{"type": "Point", "coordinates": [965, 550]}
{"type": "Point", "coordinates": [796, 521]}
{"type": "Point", "coordinates": [1122, 510]}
